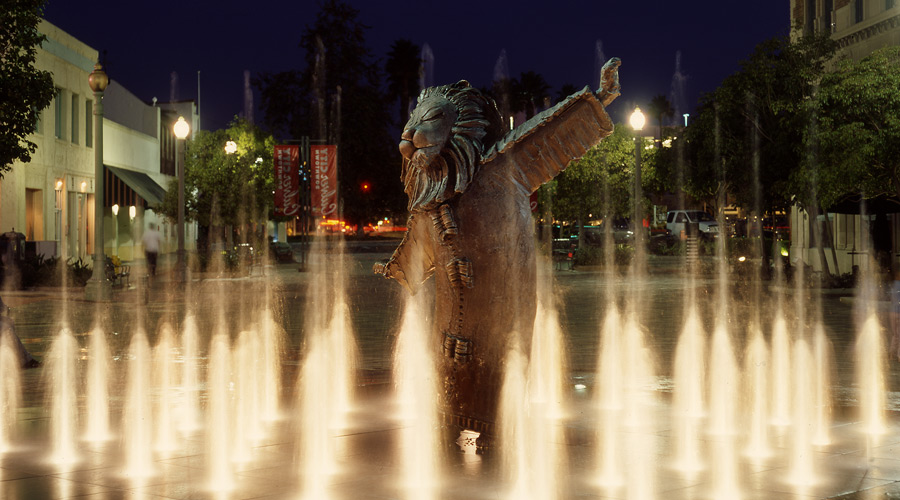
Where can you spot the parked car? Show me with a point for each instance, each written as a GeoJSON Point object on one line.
{"type": "Point", "coordinates": [677, 221]}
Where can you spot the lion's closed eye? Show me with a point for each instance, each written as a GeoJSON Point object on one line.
{"type": "Point", "coordinates": [434, 114]}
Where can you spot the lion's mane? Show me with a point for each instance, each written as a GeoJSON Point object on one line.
{"type": "Point", "coordinates": [478, 126]}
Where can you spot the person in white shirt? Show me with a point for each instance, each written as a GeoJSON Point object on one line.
{"type": "Point", "coordinates": [151, 247]}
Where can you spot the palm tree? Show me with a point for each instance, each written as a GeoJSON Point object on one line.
{"type": "Point", "coordinates": [661, 107]}
{"type": "Point", "coordinates": [529, 92]}
{"type": "Point", "coordinates": [402, 68]}
{"type": "Point", "coordinates": [566, 90]}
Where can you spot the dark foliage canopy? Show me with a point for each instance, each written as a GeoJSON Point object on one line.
{"type": "Point", "coordinates": [24, 90]}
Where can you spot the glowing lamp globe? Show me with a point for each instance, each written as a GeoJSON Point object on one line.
{"type": "Point", "coordinates": [98, 80]}
{"type": "Point", "coordinates": [637, 119]}
{"type": "Point", "coordinates": [230, 147]}
{"type": "Point", "coordinates": [181, 128]}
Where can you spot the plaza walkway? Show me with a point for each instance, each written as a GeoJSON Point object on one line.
{"type": "Point", "coordinates": [368, 465]}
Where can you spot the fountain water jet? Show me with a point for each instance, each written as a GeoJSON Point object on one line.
{"type": "Point", "coordinates": [822, 360]}
{"type": "Point", "coordinates": [523, 444]}
{"type": "Point", "coordinates": [781, 370]}
{"type": "Point", "coordinates": [248, 428]}
{"type": "Point", "coordinates": [164, 374]}
{"type": "Point", "coordinates": [534, 403]}
{"type": "Point", "coordinates": [608, 400]}
{"type": "Point", "coordinates": [639, 442]}
{"type": "Point", "coordinates": [870, 354]}
{"type": "Point", "coordinates": [724, 386]}
{"type": "Point", "coordinates": [61, 375]}
{"type": "Point", "coordinates": [416, 383]}
{"type": "Point", "coordinates": [273, 341]}
{"type": "Point", "coordinates": [688, 401]}
{"type": "Point", "coordinates": [756, 382]}
{"type": "Point", "coordinates": [343, 360]}
{"type": "Point", "coordinates": [802, 467]}
{"type": "Point", "coordinates": [316, 448]}
{"type": "Point", "coordinates": [10, 390]}
{"type": "Point", "coordinates": [98, 428]}
{"type": "Point", "coordinates": [137, 416]}
{"type": "Point", "coordinates": [219, 410]}
{"type": "Point", "coordinates": [548, 366]}
{"type": "Point", "coordinates": [190, 347]}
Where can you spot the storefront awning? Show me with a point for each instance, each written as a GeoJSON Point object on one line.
{"type": "Point", "coordinates": [127, 187]}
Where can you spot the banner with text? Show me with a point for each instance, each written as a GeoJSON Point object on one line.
{"type": "Point", "coordinates": [287, 180]}
{"type": "Point", "coordinates": [324, 181]}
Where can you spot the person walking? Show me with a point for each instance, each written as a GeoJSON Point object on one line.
{"type": "Point", "coordinates": [151, 247]}
{"type": "Point", "coordinates": [9, 336]}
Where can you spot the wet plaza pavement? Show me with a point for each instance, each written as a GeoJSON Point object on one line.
{"type": "Point", "coordinates": [365, 448]}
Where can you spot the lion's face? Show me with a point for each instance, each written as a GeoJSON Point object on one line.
{"type": "Point", "coordinates": [426, 134]}
{"type": "Point", "coordinates": [443, 141]}
{"type": "Point", "coordinates": [428, 128]}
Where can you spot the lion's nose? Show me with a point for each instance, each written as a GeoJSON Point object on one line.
{"type": "Point", "coordinates": [407, 148]}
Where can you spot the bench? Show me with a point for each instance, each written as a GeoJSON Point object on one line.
{"type": "Point", "coordinates": [564, 259]}
{"type": "Point", "coordinates": [118, 275]}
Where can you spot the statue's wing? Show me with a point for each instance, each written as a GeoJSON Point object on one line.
{"type": "Point", "coordinates": [541, 148]}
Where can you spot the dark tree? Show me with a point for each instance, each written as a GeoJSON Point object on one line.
{"type": "Point", "coordinates": [856, 136]}
{"type": "Point", "coordinates": [402, 67]}
{"type": "Point", "coordinates": [566, 90]}
{"type": "Point", "coordinates": [764, 103]}
{"type": "Point", "coordinates": [24, 91]}
{"type": "Point", "coordinates": [660, 108]}
{"type": "Point", "coordinates": [337, 97]}
{"type": "Point", "coordinates": [529, 92]}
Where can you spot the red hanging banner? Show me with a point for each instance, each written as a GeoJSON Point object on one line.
{"type": "Point", "coordinates": [287, 180]}
{"type": "Point", "coordinates": [324, 181]}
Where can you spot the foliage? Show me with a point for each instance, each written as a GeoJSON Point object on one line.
{"type": "Point", "coordinates": [857, 131]}
{"type": "Point", "coordinates": [759, 113]}
{"type": "Point", "coordinates": [565, 90]}
{"type": "Point", "coordinates": [596, 256]}
{"type": "Point", "coordinates": [24, 91]}
{"type": "Point", "coordinates": [36, 270]}
{"type": "Point", "coordinates": [221, 188]}
{"type": "Point", "coordinates": [337, 98]}
{"type": "Point", "coordinates": [602, 181]}
{"type": "Point", "coordinates": [660, 108]}
{"type": "Point", "coordinates": [528, 93]}
{"type": "Point", "coordinates": [402, 67]}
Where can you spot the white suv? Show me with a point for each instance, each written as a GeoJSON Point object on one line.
{"type": "Point", "coordinates": [676, 222]}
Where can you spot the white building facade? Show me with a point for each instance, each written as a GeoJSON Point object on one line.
{"type": "Point", "coordinates": [51, 199]}
{"type": "Point", "coordinates": [850, 239]}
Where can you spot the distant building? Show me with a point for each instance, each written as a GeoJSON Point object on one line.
{"type": "Point", "coordinates": [51, 199]}
{"type": "Point", "coordinates": [849, 239]}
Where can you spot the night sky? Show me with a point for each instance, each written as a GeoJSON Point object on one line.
{"type": "Point", "coordinates": [146, 41]}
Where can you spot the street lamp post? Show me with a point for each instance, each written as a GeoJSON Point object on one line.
{"type": "Point", "coordinates": [115, 212]}
{"type": "Point", "coordinates": [181, 129]}
{"type": "Point", "coordinates": [637, 121]}
{"type": "Point", "coordinates": [98, 289]}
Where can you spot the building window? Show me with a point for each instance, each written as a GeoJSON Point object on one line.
{"type": "Point", "coordinates": [34, 214]}
{"type": "Point", "coordinates": [857, 11]}
{"type": "Point", "coordinates": [889, 4]}
{"type": "Point", "coordinates": [38, 121]}
{"type": "Point", "coordinates": [810, 12]}
{"type": "Point", "coordinates": [827, 22]}
{"type": "Point", "coordinates": [88, 123]}
{"type": "Point", "coordinates": [58, 114]}
{"type": "Point", "coordinates": [75, 118]}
